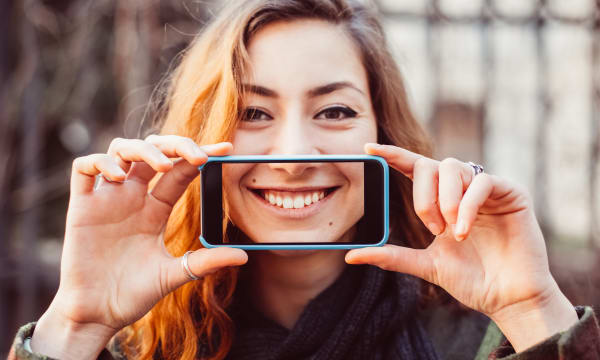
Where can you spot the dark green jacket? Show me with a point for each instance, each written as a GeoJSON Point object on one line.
{"type": "Point", "coordinates": [455, 335]}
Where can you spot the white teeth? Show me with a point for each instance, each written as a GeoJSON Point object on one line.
{"type": "Point", "coordinates": [307, 199]}
{"type": "Point", "coordinates": [296, 200]}
{"type": "Point", "coordinates": [315, 197]}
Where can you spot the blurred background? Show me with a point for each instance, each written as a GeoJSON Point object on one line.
{"type": "Point", "coordinates": [511, 84]}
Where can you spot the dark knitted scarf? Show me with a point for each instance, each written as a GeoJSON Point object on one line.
{"type": "Point", "coordinates": [367, 313]}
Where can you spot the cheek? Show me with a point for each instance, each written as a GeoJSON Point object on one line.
{"type": "Point", "coordinates": [349, 141]}
{"type": "Point", "coordinates": [232, 176]}
{"type": "Point", "coordinates": [368, 132]}
{"type": "Point", "coordinates": [229, 178]}
{"type": "Point", "coordinates": [354, 173]}
{"type": "Point", "coordinates": [251, 142]}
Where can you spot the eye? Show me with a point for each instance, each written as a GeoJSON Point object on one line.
{"type": "Point", "coordinates": [254, 114]}
{"type": "Point", "coordinates": [336, 113]}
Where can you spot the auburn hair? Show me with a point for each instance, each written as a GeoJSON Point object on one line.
{"type": "Point", "coordinates": [203, 101]}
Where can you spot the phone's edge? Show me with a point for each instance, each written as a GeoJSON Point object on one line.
{"type": "Point", "coordinates": [304, 158]}
{"type": "Point", "coordinates": [337, 246]}
{"type": "Point", "coordinates": [333, 246]}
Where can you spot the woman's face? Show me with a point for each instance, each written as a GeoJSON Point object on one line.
{"type": "Point", "coordinates": [306, 93]}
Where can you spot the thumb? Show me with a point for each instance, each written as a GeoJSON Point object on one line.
{"type": "Point", "coordinates": [203, 262]}
{"type": "Point", "coordinates": [416, 262]}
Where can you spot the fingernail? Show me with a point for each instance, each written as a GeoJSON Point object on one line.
{"type": "Point", "coordinates": [350, 259]}
{"type": "Point", "coordinates": [164, 161]}
{"type": "Point", "coordinates": [461, 227]}
{"type": "Point", "coordinates": [434, 228]}
{"type": "Point", "coordinates": [198, 151]}
{"type": "Point", "coordinates": [213, 147]}
{"type": "Point", "coordinates": [119, 171]}
{"type": "Point", "coordinates": [371, 147]}
{"type": "Point", "coordinates": [460, 230]}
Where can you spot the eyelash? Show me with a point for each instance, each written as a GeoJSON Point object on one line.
{"type": "Point", "coordinates": [249, 113]}
{"type": "Point", "coordinates": [346, 111]}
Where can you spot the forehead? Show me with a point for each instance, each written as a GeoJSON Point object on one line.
{"type": "Point", "coordinates": [300, 54]}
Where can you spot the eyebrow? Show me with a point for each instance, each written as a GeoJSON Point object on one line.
{"type": "Point", "coordinates": [318, 91]}
{"type": "Point", "coordinates": [260, 90]}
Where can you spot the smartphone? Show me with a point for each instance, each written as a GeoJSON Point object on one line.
{"type": "Point", "coordinates": [252, 202]}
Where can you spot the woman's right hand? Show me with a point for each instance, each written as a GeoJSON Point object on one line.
{"type": "Point", "coordinates": [114, 265]}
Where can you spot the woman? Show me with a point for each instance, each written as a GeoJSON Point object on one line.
{"type": "Point", "coordinates": [294, 77]}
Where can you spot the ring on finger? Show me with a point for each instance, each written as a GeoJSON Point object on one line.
{"type": "Point", "coordinates": [477, 169]}
{"type": "Point", "coordinates": [186, 267]}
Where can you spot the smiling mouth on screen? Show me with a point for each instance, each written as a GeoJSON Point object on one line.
{"type": "Point", "coordinates": [294, 203]}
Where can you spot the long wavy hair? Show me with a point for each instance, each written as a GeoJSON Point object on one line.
{"type": "Point", "coordinates": [203, 102]}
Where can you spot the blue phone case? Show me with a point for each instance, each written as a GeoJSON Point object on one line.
{"type": "Point", "coordinates": [332, 246]}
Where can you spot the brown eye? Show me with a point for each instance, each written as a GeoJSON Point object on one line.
{"type": "Point", "coordinates": [336, 113]}
{"type": "Point", "coordinates": [254, 114]}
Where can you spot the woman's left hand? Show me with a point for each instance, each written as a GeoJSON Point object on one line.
{"type": "Point", "coordinates": [489, 252]}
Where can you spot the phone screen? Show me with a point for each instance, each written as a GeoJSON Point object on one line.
{"type": "Point", "coordinates": [293, 202]}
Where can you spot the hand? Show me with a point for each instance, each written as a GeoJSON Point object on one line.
{"type": "Point", "coordinates": [115, 266]}
{"type": "Point", "coordinates": [489, 252]}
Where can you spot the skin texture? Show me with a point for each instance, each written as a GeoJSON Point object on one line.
{"type": "Point", "coordinates": [114, 264]}
{"type": "Point", "coordinates": [294, 122]}
{"type": "Point", "coordinates": [489, 252]}
{"type": "Point", "coordinates": [289, 119]}
{"type": "Point", "coordinates": [337, 216]}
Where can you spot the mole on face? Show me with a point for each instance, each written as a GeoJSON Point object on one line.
{"type": "Point", "coordinates": [253, 180]}
{"type": "Point", "coordinates": [330, 223]}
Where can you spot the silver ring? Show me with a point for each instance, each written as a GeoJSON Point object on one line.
{"type": "Point", "coordinates": [477, 169]}
{"type": "Point", "coordinates": [186, 267]}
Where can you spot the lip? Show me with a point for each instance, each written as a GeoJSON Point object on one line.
{"type": "Point", "coordinates": [287, 214]}
{"type": "Point", "coordinates": [290, 189]}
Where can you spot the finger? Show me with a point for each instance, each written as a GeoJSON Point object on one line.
{"type": "Point", "coordinates": [135, 150]}
{"type": "Point", "coordinates": [218, 149]}
{"type": "Point", "coordinates": [484, 187]}
{"type": "Point", "coordinates": [415, 262]}
{"type": "Point", "coordinates": [85, 169]}
{"type": "Point", "coordinates": [400, 159]}
{"type": "Point", "coordinates": [171, 185]}
{"type": "Point", "coordinates": [142, 172]}
{"type": "Point", "coordinates": [203, 262]}
{"type": "Point", "coordinates": [425, 195]}
{"type": "Point", "coordinates": [178, 146]}
{"type": "Point", "coordinates": [454, 178]}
